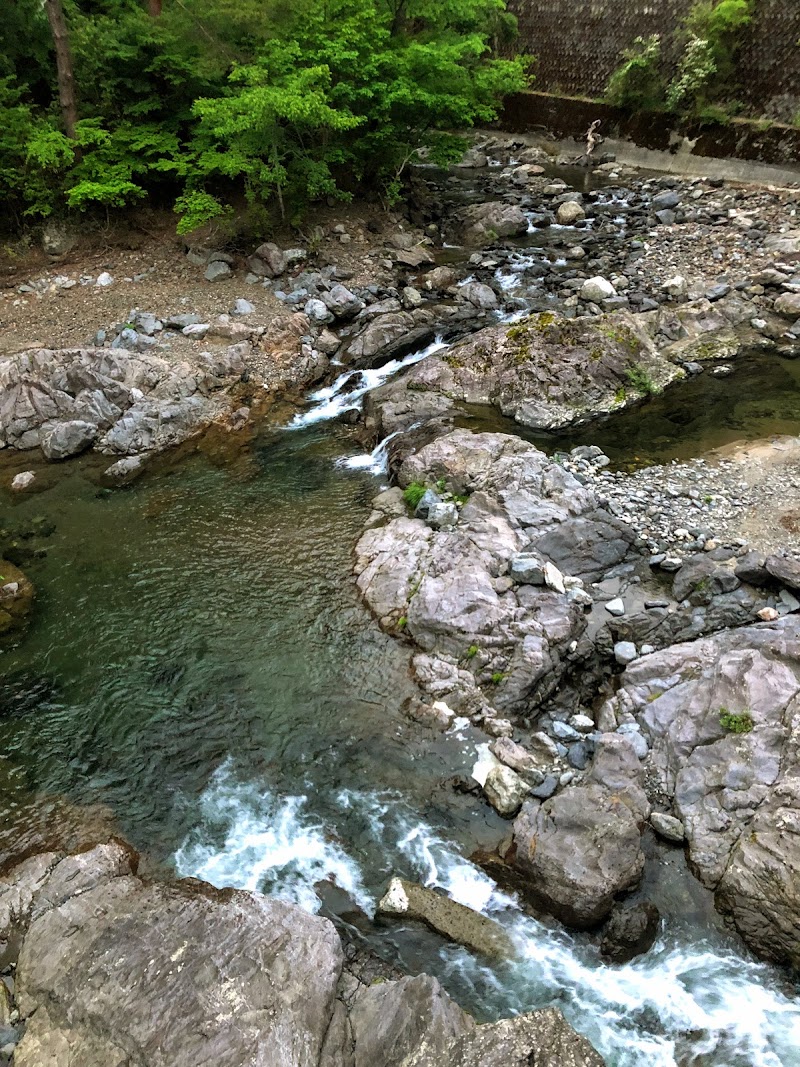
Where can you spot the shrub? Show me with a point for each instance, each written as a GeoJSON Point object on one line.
{"type": "Point", "coordinates": [637, 83]}
{"type": "Point", "coordinates": [735, 722]}
{"type": "Point", "coordinates": [413, 493]}
{"type": "Point", "coordinates": [639, 379]}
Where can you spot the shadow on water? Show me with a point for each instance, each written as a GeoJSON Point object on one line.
{"type": "Point", "coordinates": [760, 399]}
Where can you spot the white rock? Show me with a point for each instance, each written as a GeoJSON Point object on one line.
{"type": "Point", "coordinates": [595, 290]}
{"type": "Point", "coordinates": [570, 212]}
{"type": "Point", "coordinates": [104, 279]}
{"type": "Point", "coordinates": [23, 480]}
{"type": "Point", "coordinates": [677, 286]}
{"type": "Point", "coordinates": [616, 607]}
{"type": "Point", "coordinates": [553, 578]}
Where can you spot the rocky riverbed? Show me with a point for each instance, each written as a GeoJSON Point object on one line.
{"type": "Point", "coordinates": [621, 647]}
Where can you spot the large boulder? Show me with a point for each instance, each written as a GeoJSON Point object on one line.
{"type": "Point", "coordinates": [544, 372]}
{"type": "Point", "coordinates": [450, 586]}
{"type": "Point", "coordinates": [722, 715]}
{"type": "Point", "coordinates": [487, 222]}
{"type": "Point", "coordinates": [580, 850]}
{"type": "Point", "coordinates": [113, 970]}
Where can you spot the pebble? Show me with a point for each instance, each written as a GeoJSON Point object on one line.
{"type": "Point", "coordinates": [23, 480]}
{"type": "Point", "coordinates": [615, 607]}
{"type": "Point", "coordinates": [668, 827]}
{"type": "Point", "coordinates": [104, 279]}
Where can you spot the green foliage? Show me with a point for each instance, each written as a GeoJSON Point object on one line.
{"type": "Point", "coordinates": [735, 722]}
{"type": "Point", "coordinates": [291, 99]}
{"type": "Point", "coordinates": [639, 379]}
{"type": "Point", "coordinates": [638, 83]}
{"type": "Point", "coordinates": [402, 622]}
{"type": "Point", "coordinates": [497, 677]}
{"type": "Point", "coordinates": [706, 70]}
{"type": "Point", "coordinates": [413, 493]}
{"type": "Point", "coordinates": [472, 651]}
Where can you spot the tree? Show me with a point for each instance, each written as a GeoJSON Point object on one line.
{"type": "Point", "coordinates": [65, 71]}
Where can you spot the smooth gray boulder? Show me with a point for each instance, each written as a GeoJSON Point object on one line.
{"type": "Point", "coordinates": [274, 261]}
{"type": "Point", "coordinates": [217, 271]}
{"type": "Point", "coordinates": [580, 850]}
{"type": "Point", "coordinates": [487, 222]}
{"type": "Point", "coordinates": [722, 715]}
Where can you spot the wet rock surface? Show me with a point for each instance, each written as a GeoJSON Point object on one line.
{"type": "Point", "coordinates": [721, 716]}
{"type": "Point", "coordinates": [111, 969]}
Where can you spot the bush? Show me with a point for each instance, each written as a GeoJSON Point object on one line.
{"type": "Point", "coordinates": [637, 84]}
{"type": "Point", "coordinates": [639, 379]}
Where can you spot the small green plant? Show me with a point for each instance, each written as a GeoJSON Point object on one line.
{"type": "Point", "coordinates": [735, 722]}
{"type": "Point", "coordinates": [441, 485]}
{"type": "Point", "coordinates": [402, 622]}
{"type": "Point", "coordinates": [620, 396]}
{"type": "Point", "coordinates": [497, 677]}
{"type": "Point", "coordinates": [472, 651]}
{"type": "Point", "coordinates": [413, 493]}
{"type": "Point", "coordinates": [708, 499]}
{"type": "Point", "coordinates": [639, 379]}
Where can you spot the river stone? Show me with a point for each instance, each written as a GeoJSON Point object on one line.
{"type": "Point", "coordinates": [318, 312]}
{"type": "Point", "coordinates": [617, 767]}
{"type": "Point", "coordinates": [440, 278]}
{"type": "Point", "coordinates": [737, 795]}
{"type": "Point", "coordinates": [630, 932]}
{"type": "Point", "coordinates": [596, 290]}
{"type": "Point", "coordinates": [68, 439]}
{"type": "Point", "coordinates": [527, 569]}
{"type": "Point", "coordinates": [342, 303]}
{"type": "Point", "coordinates": [788, 304]}
{"type": "Point", "coordinates": [217, 271]}
{"type": "Point", "coordinates": [272, 258]}
{"type": "Point", "coordinates": [441, 514]}
{"type": "Point", "coordinates": [480, 296]}
{"type": "Point", "coordinates": [16, 597]}
{"type": "Point", "coordinates": [487, 222]}
{"type": "Point", "coordinates": [392, 1020]}
{"type": "Point", "coordinates": [505, 790]}
{"type": "Point", "coordinates": [454, 921]}
{"type": "Point", "coordinates": [668, 827]}
{"type": "Point", "coordinates": [625, 652]}
{"type": "Point", "coordinates": [537, 1039]}
{"type": "Point", "coordinates": [570, 212]}
{"type": "Point", "coordinates": [580, 850]}
{"type": "Point", "coordinates": [785, 569]}
{"type": "Point", "coordinates": [587, 546]}
{"type": "Point", "coordinates": [23, 480]}
{"type": "Point", "coordinates": [513, 755]}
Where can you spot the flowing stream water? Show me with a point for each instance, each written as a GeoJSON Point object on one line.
{"type": "Point", "coordinates": [201, 665]}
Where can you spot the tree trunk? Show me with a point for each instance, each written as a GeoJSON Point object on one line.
{"type": "Point", "coordinates": [66, 74]}
{"type": "Point", "coordinates": [154, 7]}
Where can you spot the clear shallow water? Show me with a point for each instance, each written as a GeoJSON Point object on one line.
{"type": "Point", "coordinates": [760, 399]}
{"type": "Point", "coordinates": [200, 663]}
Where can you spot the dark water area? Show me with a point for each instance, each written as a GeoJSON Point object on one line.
{"type": "Point", "coordinates": [758, 400]}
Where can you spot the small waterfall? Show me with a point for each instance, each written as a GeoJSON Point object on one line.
{"type": "Point", "coordinates": [343, 395]}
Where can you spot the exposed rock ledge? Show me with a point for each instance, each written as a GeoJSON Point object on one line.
{"type": "Point", "coordinates": [115, 971]}
{"type": "Point", "coordinates": [506, 590]}
{"type": "Point", "coordinates": [117, 402]}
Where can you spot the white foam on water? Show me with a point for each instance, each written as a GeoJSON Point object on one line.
{"type": "Point", "coordinates": [255, 840]}
{"type": "Point", "coordinates": [376, 461]}
{"type": "Point", "coordinates": [334, 399]}
{"type": "Point", "coordinates": [678, 1004]}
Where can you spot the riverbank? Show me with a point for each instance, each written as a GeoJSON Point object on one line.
{"type": "Point", "coordinates": [263, 733]}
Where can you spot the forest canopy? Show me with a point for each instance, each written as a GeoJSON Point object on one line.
{"type": "Point", "coordinates": [199, 102]}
